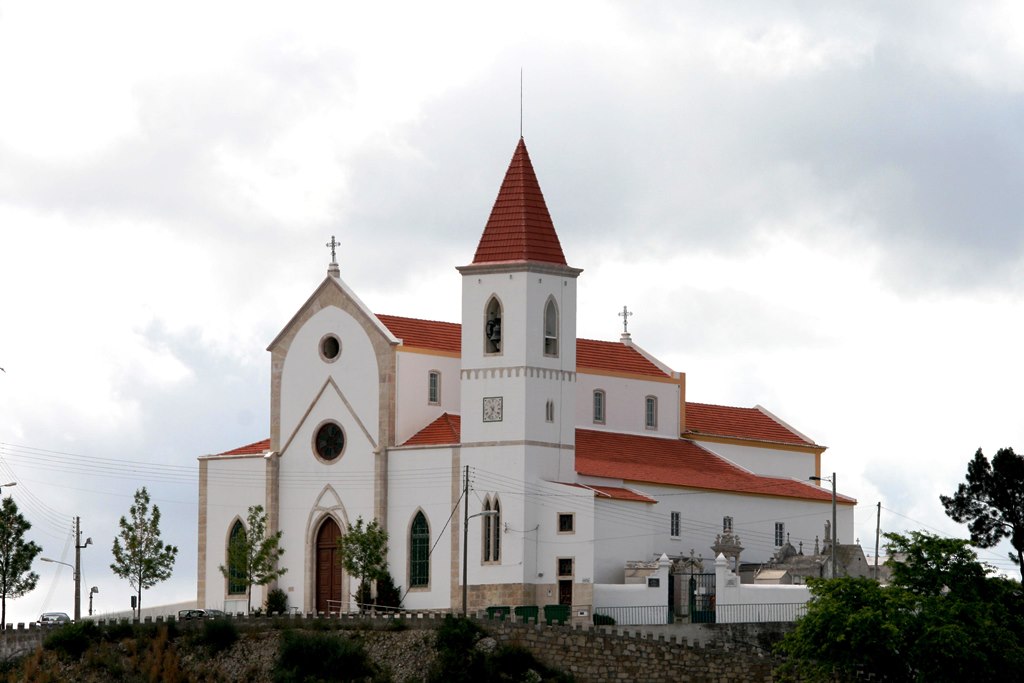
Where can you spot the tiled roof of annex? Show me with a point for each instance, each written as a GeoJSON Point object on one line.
{"type": "Point", "coordinates": [615, 493]}
{"type": "Point", "coordinates": [651, 460]}
{"type": "Point", "coordinates": [591, 354]}
{"type": "Point", "coordinates": [254, 448]}
{"type": "Point", "coordinates": [705, 419]}
{"type": "Point", "coordinates": [519, 227]}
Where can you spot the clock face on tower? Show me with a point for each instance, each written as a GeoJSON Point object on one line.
{"type": "Point", "coordinates": [492, 409]}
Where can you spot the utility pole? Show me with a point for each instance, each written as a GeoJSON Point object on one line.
{"type": "Point", "coordinates": [465, 534]}
{"type": "Point", "coordinates": [878, 531]}
{"type": "Point", "coordinates": [78, 568]}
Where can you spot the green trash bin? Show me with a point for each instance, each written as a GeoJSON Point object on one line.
{"type": "Point", "coordinates": [527, 613]}
{"type": "Point", "coordinates": [559, 613]}
{"type": "Point", "coordinates": [499, 612]}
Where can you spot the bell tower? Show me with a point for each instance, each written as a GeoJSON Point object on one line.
{"type": "Point", "coordinates": [519, 327]}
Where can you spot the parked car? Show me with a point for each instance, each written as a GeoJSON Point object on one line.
{"type": "Point", "coordinates": [214, 614]}
{"type": "Point", "coordinates": [187, 614]}
{"type": "Point", "coordinates": [53, 619]}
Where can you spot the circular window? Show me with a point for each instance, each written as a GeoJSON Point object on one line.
{"type": "Point", "coordinates": [330, 441]}
{"type": "Point", "coordinates": [330, 348]}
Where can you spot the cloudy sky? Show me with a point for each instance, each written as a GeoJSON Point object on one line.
{"type": "Point", "coordinates": [809, 206]}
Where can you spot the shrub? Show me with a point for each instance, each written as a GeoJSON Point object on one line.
{"type": "Point", "coordinates": [218, 635]}
{"type": "Point", "coordinates": [118, 631]}
{"type": "Point", "coordinates": [321, 656]}
{"type": "Point", "coordinates": [277, 602]}
{"type": "Point", "coordinates": [388, 594]}
{"type": "Point", "coordinates": [519, 664]}
{"type": "Point", "coordinates": [457, 659]}
{"type": "Point", "coordinates": [71, 640]}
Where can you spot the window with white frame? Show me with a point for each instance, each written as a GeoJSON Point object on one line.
{"type": "Point", "coordinates": [651, 412]}
{"type": "Point", "coordinates": [434, 387]}
{"type": "Point", "coordinates": [674, 519]}
{"type": "Point", "coordinates": [780, 533]}
{"type": "Point", "coordinates": [599, 406]}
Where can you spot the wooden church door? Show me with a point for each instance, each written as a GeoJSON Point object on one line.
{"type": "Point", "coordinates": [328, 568]}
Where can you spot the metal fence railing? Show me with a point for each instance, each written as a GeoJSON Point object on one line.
{"type": "Point", "coordinates": [759, 613]}
{"type": "Point", "coordinates": [635, 615]}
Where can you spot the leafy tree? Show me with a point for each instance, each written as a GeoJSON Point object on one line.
{"type": "Point", "coordinates": [991, 501]}
{"type": "Point", "coordinates": [364, 550]}
{"type": "Point", "coordinates": [253, 556]}
{"type": "Point", "coordinates": [16, 556]}
{"type": "Point", "coordinates": [942, 619]}
{"type": "Point", "coordinates": [139, 554]}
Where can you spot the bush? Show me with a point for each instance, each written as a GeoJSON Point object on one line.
{"type": "Point", "coordinates": [218, 635]}
{"type": "Point", "coordinates": [457, 659]}
{"type": "Point", "coordinates": [603, 620]}
{"type": "Point", "coordinates": [116, 632]}
{"type": "Point", "coordinates": [321, 656]}
{"type": "Point", "coordinates": [519, 664]}
{"type": "Point", "coordinates": [277, 602]}
{"type": "Point", "coordinates": [71, 640]}
{"type": "Point", "coordinates": [388, 594]}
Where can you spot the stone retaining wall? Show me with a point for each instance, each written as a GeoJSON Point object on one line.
{"type": "Point", "coordinates": [735, 652]}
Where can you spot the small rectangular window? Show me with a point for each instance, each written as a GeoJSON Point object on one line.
{"type": "Point", "coordinates": [565, 566]}
{"type": "Point", "coordinates": [780, 533]}
{"type": "Point", "coordinates": [566, 523]}
{"type": "Point", "coordinates": [727, 525]}
{"type": "Point", "coordinates": [651, 413]}
{"type": "Point", "coordinates": [599, 406]}
{"type": "Point", "coordinates": [674, 524]}
{"type": "Point", "coordinates": [549, 411]}
{"type": "Point", "coordinates": [434, 387]}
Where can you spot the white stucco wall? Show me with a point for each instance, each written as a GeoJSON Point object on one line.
{"type": "Point", "coordinates": [774, 462]}
{"type": "Point", "coordinates": [625, 404]}
{"type": "Point", "coordinates": [636, 595]}
{"type": "Point", "coordinates": [729, 592]}
{"type": "Point", "coordinates": [233, 484]}
{"type": "Point", "coordinates": [413, 411]}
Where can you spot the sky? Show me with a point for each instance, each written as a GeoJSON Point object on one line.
{"type": "Point", "coordinates": [809, 206]}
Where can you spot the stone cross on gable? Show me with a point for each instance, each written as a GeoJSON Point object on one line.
{"type": "Point", "coordinates": [333, 244]}
{"type": "Point", "coordinates": [625, 319]}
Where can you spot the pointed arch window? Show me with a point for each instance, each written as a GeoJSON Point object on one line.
{"type": "Point", "coordinates": [419, 552]}
{"type": "Point", "coordinates": [492, 326]}
{"type": "Point", "coordinates": [599, 406]}
{"type": "Point", "coordinates": [492, 530]}
{"type": "Point", "coordinates": [551, 328]}
{"type": "Point", "coordinates": [236, 559]}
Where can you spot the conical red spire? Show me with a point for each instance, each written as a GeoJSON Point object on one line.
{"type": "Point", "coordinates": [520, 227]}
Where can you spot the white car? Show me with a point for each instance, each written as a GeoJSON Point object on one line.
{"type": "Point", "coordinates": [53, 619]}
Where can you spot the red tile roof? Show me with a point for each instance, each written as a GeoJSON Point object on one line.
{"type": "Point", "coordinates": [651, 460]}
{"type": "Point", "coordinates": [255, 448]}
{"type": "Point", "coordinates": [615, 356]}
{"type": "Point", "coordinates": [443, 431]}
{"type": "Point", "coordinates": [520, 227]}
{"type": "Point", "coordinates": [590, 354]}
{"type": "Point", "coordinates": [426, 334]}
{"type": "Point", "coordinates": [677, 462]}
{"type": "Point", "coordinates": [740, 423]}
{"type": "Point", "coordinates": [615, 493]}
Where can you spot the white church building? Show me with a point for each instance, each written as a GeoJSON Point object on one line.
{"type": "Point", "coordinates": [583, 455]}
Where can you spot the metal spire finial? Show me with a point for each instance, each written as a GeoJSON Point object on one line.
{"type": "Point", "coordinates": [333, 244]}
{"type": "Point", "coordinates": [625, 319]}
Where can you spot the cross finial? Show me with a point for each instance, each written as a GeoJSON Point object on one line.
{"type": "Point", "coordinates": [625, 319]}
{"type": "Point", "coordinates": [333, 244]}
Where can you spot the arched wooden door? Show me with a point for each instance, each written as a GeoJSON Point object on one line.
{"type": "Point", "coordinates": [328, 567]}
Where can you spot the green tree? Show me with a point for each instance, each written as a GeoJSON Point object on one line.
{"type": "Point", "coordinates": [991, 501]}
{"type": "Point", "coordinates": [942, 619]}
{"type": "Point", "coordinates": [16, 556]}
{"type": "Point", "coordinates": [253, 555]}
{"type": "Point", "coordinates": [139, 554]}
{"type": "Point", "coordinates": [364, 550]}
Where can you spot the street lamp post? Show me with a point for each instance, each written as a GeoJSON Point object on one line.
{"type": "Point", "coordinates": [10, 483]}
{"type": "Point", "coordinates": [92, 591]}
{"type": "Point", "coordinates": [73, 568]}
{"type": "Point", "coordinates": [835, 531]}
{"type": "Point", "coordinates": [465, 550]}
